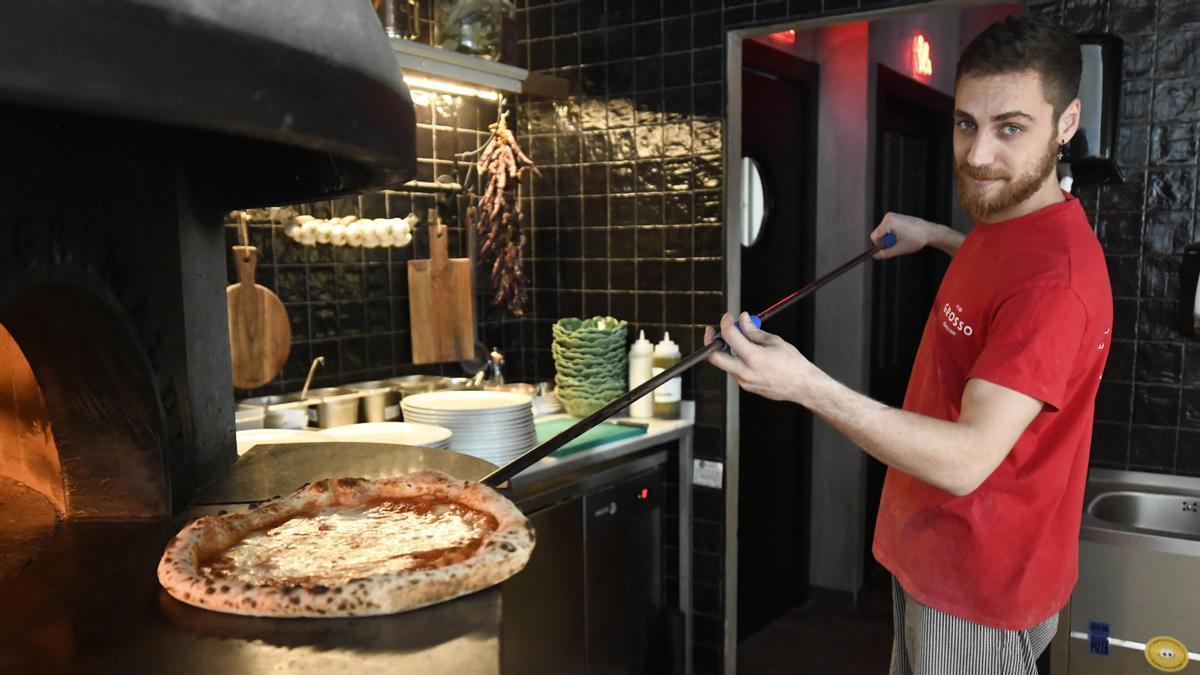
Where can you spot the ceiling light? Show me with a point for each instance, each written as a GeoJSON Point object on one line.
{"type": "Point", "coordinates": [441, 86]}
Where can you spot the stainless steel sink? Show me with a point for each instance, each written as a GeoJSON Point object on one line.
{"type": "Point", "coordinates": [1139, 568]}
{"type": "Point", "coordinates": [1147, 510]}
{"type": "Point", "coordinates": [1168, 513]}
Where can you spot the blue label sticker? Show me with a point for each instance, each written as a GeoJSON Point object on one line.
{"type": "Point", "coordinates": [1098, 633]}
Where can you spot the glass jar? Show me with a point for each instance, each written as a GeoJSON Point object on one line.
{"type": "Point", "coordinates": [398, 17]}
{"type": "Point", "coordinates": [473, 26]}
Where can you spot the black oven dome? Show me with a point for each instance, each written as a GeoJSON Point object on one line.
{"type": "Point", "coordinates": [265, 102]}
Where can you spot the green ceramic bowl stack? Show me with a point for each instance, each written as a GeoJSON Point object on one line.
{"type": "Point", "coordinates": [589, 361]}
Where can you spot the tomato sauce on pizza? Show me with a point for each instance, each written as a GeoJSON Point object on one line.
{"type": "Point", "coordinates": [334, 546]}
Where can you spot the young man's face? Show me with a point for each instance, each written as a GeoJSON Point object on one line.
{"type": "Point", "coordinates": [1005, 142]}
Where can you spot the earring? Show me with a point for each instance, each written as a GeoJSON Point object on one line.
{"type": "Point", "coordinates": [1062, 150]}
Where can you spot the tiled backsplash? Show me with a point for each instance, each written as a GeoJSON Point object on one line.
{"type": "Point", "coordinates": [350, 304]}
{"type": "Point", "coordinates": [1148, 411]}
{"type": "Point", "coordinates": [625, 219]}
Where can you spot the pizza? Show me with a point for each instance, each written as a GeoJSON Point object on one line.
{"type": "Point", "coordinates": [350, 547]}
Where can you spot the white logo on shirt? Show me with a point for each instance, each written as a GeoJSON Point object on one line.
{"type": "Point", "coordinates": [954, 323]}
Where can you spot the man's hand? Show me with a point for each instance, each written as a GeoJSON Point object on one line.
{"type": "Point", "coordinates": [764, 364]}
{"type": "Point", "coordinates": [914, 234]}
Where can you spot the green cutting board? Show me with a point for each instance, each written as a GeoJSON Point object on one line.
{"type": "Point", "coordinates": [605, 432]}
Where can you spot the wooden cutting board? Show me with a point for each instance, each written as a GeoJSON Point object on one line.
{"type": "Point", "coordinates": [260, 335]}
{"type": "Point", "coordinates": [440, 309]}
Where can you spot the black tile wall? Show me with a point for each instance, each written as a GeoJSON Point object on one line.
{"type": "Point", "coordinates": [630, 221]}
{"type": "Point", "coordinates": [350, 304]}
{"type": "Point", "coordinates": [1148, 410]}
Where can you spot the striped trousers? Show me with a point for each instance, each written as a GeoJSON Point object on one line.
{"type": "Point", "coordinates": [930, 642]}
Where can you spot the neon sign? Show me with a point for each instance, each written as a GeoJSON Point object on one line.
{"type": "Point", "coordinates": [922, 62]}
{"type": "Point", "coordinates": [784, 37]}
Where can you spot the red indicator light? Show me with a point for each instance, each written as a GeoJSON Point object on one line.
{"type": "Point", "coordinates": [922, 64]}
{"type": "Point", "coordinates": [784, 37]}
{"type": "Point", "coordinates": [644, 494]}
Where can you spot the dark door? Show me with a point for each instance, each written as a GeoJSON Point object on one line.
{"type": "Point", "coordinates": [914, 175]}
{"type": "Point", "coordinates": [778, 126]}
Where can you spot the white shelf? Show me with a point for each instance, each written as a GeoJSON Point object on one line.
{"type": "Point", "coordinates": [420, 58]}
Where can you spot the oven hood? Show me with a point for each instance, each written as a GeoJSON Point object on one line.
{"type": "Point", "coordinates": [264, 101]}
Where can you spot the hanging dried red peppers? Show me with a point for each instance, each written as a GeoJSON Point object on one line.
{"type": "Point", "coordinates": [501, 165]}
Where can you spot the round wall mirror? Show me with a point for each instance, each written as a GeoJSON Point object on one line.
{"type": "Point", "coordinates": [755, 201]}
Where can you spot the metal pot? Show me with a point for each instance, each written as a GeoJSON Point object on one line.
{"type": "Point", "coordinates": [249, 417]}
{"type": "Point", "coordinates": [336, 406]}
{"type": "Point", "coordinates": [417, 384]}
{"type": "Point", "coordinates": [282, 411]}
{"type": "Point", "coordinates": [380, 400]}
{"type": "Point", "coordinates": [460, 383]}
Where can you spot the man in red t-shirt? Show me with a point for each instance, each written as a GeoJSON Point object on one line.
{"type": "Point", "coordinates": [979, 517]}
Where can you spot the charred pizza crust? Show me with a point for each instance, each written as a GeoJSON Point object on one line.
{"type": "Point", "coordinates": [502, 553]}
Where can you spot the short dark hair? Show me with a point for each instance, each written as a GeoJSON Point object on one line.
{"type": "Point", "coordinates": [1019, 43]}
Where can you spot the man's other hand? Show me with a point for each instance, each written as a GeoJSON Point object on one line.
{"type": "Point", "coordinates": [912, 234]}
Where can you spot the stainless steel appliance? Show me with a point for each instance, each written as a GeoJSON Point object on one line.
{"type": "Point", "coordinates": [1138, 596]}
{"type": "Point", "coordinates": [591, 599]}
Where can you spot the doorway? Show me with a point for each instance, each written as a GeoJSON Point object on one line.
{"type": "Point", "coordinates": [778, 134]}
{"type": "Point", "coordinates": [914, 175]}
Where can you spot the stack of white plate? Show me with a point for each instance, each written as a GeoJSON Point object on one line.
{"type": "Point", "coordinates": [546, 404]}
{"type": "Point", "coordinates": [496, 426]}
{"type": "Point", "coordinates": [401, 433]}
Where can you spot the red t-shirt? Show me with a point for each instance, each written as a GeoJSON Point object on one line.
{"type": "Point", "coordinates": [1025, 304]}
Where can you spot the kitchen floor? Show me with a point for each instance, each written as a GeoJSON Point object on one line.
{"type": "Point", "coordinates": [818, 639]}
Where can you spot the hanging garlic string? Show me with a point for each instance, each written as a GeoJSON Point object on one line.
{"type": "Point", "coordinates": [352, 231]}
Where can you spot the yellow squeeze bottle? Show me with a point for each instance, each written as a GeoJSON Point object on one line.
{"type": "Point", "coordinates": [668, 396]}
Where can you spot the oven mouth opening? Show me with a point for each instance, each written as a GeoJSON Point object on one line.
{"type": "Point", "coordinates": [81, 426]}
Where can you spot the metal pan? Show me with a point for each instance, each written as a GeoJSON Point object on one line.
{"type": "Point", "coordinates": [268, 471]}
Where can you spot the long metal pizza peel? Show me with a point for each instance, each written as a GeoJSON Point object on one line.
{"type": "Point", "coordinates": [576, 430]}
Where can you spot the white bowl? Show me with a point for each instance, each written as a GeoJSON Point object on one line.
{"type": "Point", "coordinates": [399, 433]}
{"type": "Point", "coordinates": [248, 438]}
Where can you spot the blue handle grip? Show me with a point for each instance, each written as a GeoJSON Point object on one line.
{"type": "Point", "coordinates": [753, 319]}
{"type": "Point", "coordinates": [889, 240]}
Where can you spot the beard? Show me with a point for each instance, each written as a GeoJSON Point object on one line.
{"type": "Point", "coordinates": [980, 206]}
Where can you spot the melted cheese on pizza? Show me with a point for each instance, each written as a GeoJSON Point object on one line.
{"type": "Point", "coordinates": [338, 545]}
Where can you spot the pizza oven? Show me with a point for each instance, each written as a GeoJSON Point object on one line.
{"type": "Point", "coordinates": [126, 130]}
